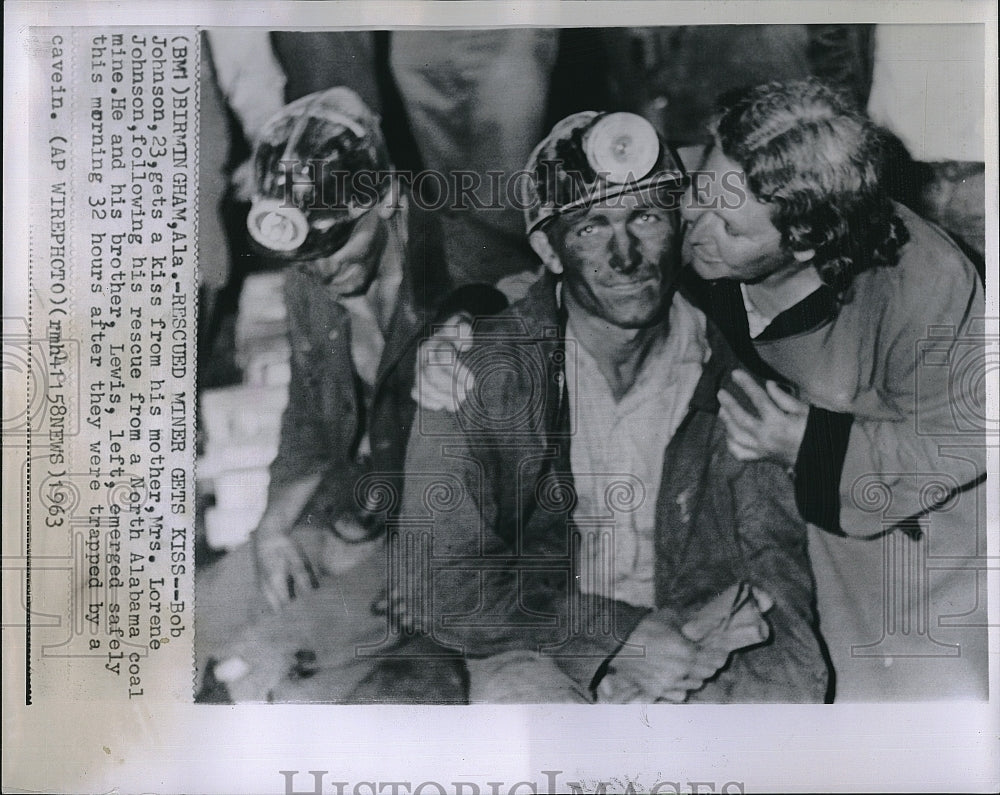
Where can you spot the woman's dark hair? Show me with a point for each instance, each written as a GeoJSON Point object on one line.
{"type": "Point", "coordinates": [812, 155]}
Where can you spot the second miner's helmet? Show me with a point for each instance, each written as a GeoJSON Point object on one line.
{"type": "Point", "coordinates": [590, 157]}
{"type": "Point", "coordinates": [319, 164]}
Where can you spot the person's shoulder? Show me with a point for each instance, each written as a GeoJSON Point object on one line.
{"type": "Point", "coordinates": [532, 316]}
{"type": "Point", "coordinates": [929, 252]}
{"type": "Point", "coordinates": [308, 304]}
{"type": "Point", "coordinates": [707, 323]}
{"type": "Point", "coordinates": [931, 270]}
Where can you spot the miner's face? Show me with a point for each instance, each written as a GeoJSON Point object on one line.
{"type": "Point", "coordinates": [618, 259]}
{"type": "Point", "coordinates": [351, 269]}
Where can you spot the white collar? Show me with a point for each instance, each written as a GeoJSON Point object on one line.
{"type": "Point", "coordinates": [792, 291]}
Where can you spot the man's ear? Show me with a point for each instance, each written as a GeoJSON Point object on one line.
{"type": "Point", "coordinates": [543, 248]}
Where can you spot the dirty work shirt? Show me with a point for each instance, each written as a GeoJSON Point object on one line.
{"type": "Point", "coordinates": [616, 453]}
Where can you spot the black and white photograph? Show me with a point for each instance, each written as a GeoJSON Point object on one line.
{"type": "Point", "coordinates": [592, 366]}
{"type": "Point", "coordinates": [384, 382]}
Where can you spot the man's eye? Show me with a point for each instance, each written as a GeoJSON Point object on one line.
{"type": "Point", "coordinates": [586, 231]}
{"type": "Point", "coordinates": [730, 231]}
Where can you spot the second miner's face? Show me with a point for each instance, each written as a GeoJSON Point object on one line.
{"type": "Point", "coordinates": [350, 269]}
{"type": "Point", "coordinates": [619, 259]}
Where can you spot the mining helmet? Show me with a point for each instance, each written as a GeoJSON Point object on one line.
{"type": "Point", "coordinates": [590, 157]}
{"type": "Point", "coordinates": [319, 164]}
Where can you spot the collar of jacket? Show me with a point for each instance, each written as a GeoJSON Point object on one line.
{"type": "Point", "coordinates": [424, 285]}
{"type": "Point", "coordinates": [815, 310]}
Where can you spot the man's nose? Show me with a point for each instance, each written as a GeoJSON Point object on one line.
{"type": "Point", "coordinates": [624, 254]}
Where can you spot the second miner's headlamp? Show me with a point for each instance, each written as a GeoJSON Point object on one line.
{"type": "Point", "coordinates": [591, 157]}
{"type": "Point", "coordinates": [319, 163]}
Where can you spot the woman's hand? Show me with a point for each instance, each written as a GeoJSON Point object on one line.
{"type": "Point", "coordinates": [775, 434]}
